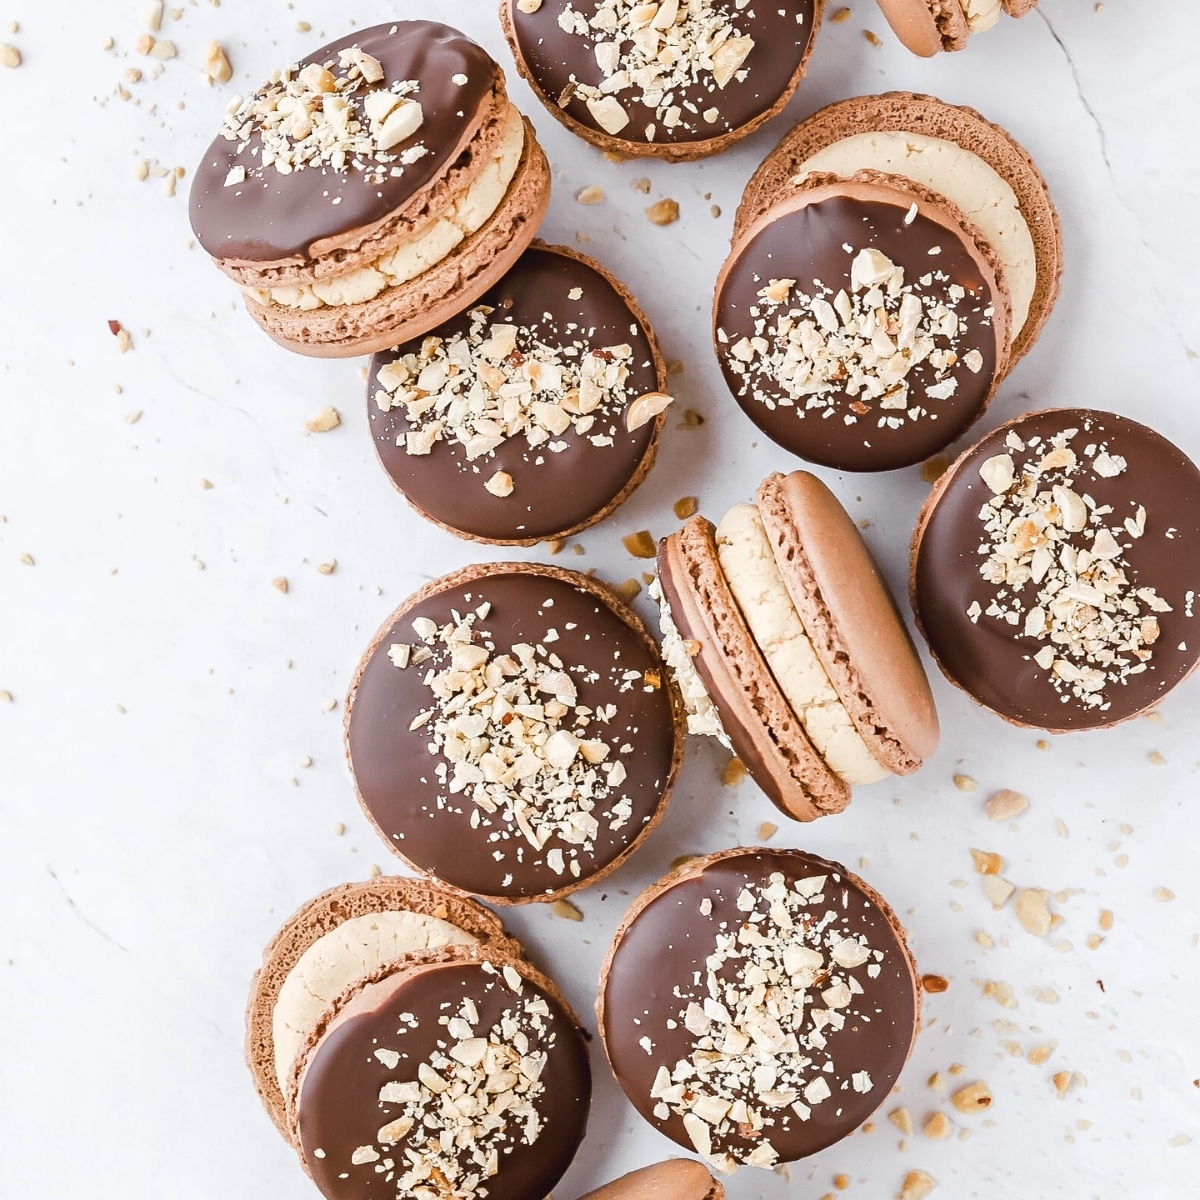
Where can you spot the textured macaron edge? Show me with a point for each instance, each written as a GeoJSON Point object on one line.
{"type": "Point", "coordinates": [607, 596]}
{"type": "Point", "coordinates": [916, 113]}
{"type": "Point", "coordinates": [321, 915]}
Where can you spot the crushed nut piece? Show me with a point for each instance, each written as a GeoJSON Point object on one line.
{"type": "Point", "coordinates": [684, 507]}
{"type": "Point", "coordinates": [840, 16]}
{"type": "Point", "coordinates": [997, 890]}
{"type": "Point", "coordinates": [500, 484]}
{"type": "Point", "coordinates": [628, 590]}
{"type": "Point", "coordinates": [10, 56]}
{"type": "Point", "coordinates": [1032, 911]}
{"type": "Point", "coordinates": [279, 583]}
{"type": "Point", "coordinates": [328, 418]}
{"type": "Point", "coordinates": [902, 1119]}
{"type": "Point", "coordinates": [1006, 804]}
{"type": "Point", "coordinates": [327, 568]}
{"type": "Point", "coordinates": [768, 829]}
{"type": "Point", "coordinates": [663, 212]}
{"type": "Point", "coordinates": [733, 772]}
{"type": "Point", "coordinates": [916, 1186]}
{"type": "Point", "coordinates": [566, 910]}
{"type": "Point", "coordinates": [986, 862]}
{"type": "Point", "coordinates": [973, 1098]}
{"type": "Point", "coordinates": [640, 544]}
{"type": "Point", "coordinates": [938, 1127]}
{"type": "Point", "coordinates": [934, 983]}
{"type": "Point", "coordinates": [965, 783]}
{"type": "Point", "coordinates": [590, 195]}
{"type": "Point", "coordinates": [216, 63]}
{"type": "Point", "coordinates": [645, 408]}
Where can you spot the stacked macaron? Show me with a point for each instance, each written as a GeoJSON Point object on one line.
{"type": "Point", "coordinates": [401, 1042]}
{"type": "Point", "coordinates": [892, 259]}
{"type": "Point", "coordinates": [371, 190]}
{"type": "Point", "coordinates": [929, 26]}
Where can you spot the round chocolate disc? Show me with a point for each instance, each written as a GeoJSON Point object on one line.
{"type": "Point", "coordinates": [564, 451]}
{"type": "Point", "coordinates": [529, 740]}
{"type": "Point", "coordinates": [1065, 599]}
{"type": "Point", "coordinates": [792, 335]}
{"type": "Point", "coordinates": [372, 1115]}
{"type": "Point", "coordinates": [758, 1006]}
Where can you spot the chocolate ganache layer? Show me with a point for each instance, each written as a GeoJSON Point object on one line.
{"type": "Point", "coordinates": [529, 741]}
{"type": "Point", "coordinates": [791, 348]}
{"type": "Point", "coordinates": [272, 215]}
{"type": "Point", "coordinates": [1064, 599]}
{"type": "Point", "coordinates": [565, 470]}
{"type": "Point", "coordinates": [759, 1006]}
{"type": "Point", "coordinates": [469, 1072]}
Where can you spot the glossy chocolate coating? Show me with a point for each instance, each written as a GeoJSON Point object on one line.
{"type": "Point", "coordinates": [553, 56]}
{"type": "Point", "coordinates": [273, 216]}
{"type": "Point", "coordinates": [810, 244]}
{"type": "Point", "coordinates": [993, 661]}
{"type": "Point", "coordinates": [553, 492]}
{"type": "Point", "coordinates": [339, 1108]}
{"type": "Point", "coordinates": [394, 769]}
{"type": "Point", "coordinates": [652, 978]}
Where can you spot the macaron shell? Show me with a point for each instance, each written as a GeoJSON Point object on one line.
{"type": "Point", "coordinates": [912, 21]}
{"type": "Point", "coordinates": [1019, 8]}
{"type": "Point", "coordinates": [675, 1179]}
{"type": "Point", "coordinates": [765, 732]}
{"type": "Point", "coordinates": [851, 617]}
{"type": "Point", "coordinates": [915, 113]}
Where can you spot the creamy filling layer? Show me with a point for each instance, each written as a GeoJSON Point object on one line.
{"type": "Point", "coordinates": [333, 962]}
{"type": "Point", "coordinates": [981, 14]}
{"type": "Point", "coordinates": [427, 247]}
{"type": "Point", "coordinates": [748, 563]}
{"type": "Point", "coordinates": [964, 179]}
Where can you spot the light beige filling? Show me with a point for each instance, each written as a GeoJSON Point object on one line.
{"type": "Point", "coordinates": [428, 246]}
{"type": "Point", "coordinates": [350, 952]}
{"type": "Point", "coordinates": [746, 559]}
{"type": "Point", "coordinates": [964, 179]}
{"type": "Point", "coordinates": [981, 14]}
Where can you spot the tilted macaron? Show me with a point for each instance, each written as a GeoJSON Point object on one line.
{"type": "Point", "coordinates": [530, 416]}
{"type": "Point", "coordinates": [675, 1179]}
{"type": "Point", "coordinates": [371, 190]}
{"type": "Point", "coordinates": [787, 645]}
{"type": "Point", "coordinates": [512, 732]}
{"type": "Point", "coordinates": [1055, 569]}
{"type": "Point", "coordinates": [757, 1005]}
{"type": "Point", "coordinates": [929, 26]}
{"type": "Point", "coordinates": [677, 79]}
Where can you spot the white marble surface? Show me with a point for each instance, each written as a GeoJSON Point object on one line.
{"type": "Point", "coordinates": [156, 822]}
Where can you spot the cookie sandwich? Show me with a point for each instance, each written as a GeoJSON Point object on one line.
{"type": "Point", "coordinates": [927, 27]}
{"type": "Point", "coordinates": [787, 646]}
{"type": "Point", "coordinates": [675, 1179]}
{"type": "Point", "coordinates": [371, 190]}
{"type": "Point", "coordinates": [530, 416]}
{"type": "Point", "coordinates": [758, 1005]}
{"type": "Point", "coordinates": [444, 1061]}
{"type": "Point", "coordinates": [1055, 568]}
{"type": "Point", "coordinates": [677, 79]}
{"type": "Point", "coordinates": [511, 731]}
{"type": "Point", "coordinates": [891, 260]}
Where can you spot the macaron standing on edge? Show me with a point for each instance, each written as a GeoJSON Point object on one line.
{"type": "Point", "coordinates": [371, 190]}
{"type": "Point", "coordinates": [787, 645]}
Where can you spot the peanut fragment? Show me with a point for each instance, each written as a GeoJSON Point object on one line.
{"type": "Point", "coordinates": [590, 195]}
{"type": "Point", "coordinates": [645, 408]}
{"type": "Point", "coordinates": [216, 63]}
{"type": "Point", "coordinates": [566, 910]}
{"type": "Point", "coordinates": [280, 584]}
{"type": "Point", "coordinates": [684, 507]}
{"type": "Point", "coordinates": [1040, 1054]}
{"type": "Point", "coordinates": [328, 418]}
{"type": "Point", "coordinates": [1006, 804]}
{"type": "Point", "coordinates": [663, 212]}
{"type": "Point", "coordinates": [938, 1127]}
{"type": "Point", "coordinates": [997, 890]}
{"type": "Point", "coordinates": [965, 783]}
{"type": "Point", "coordinates": [987, 862]}
{"type": "Point", "coordinates": [1032, 911]}
{"type": "Point", "coordinates": [972, 1098]}
{"type": "Point", "coordinates": [916, 1186]}
{"type": "Point", "coordinates": [640, 544]}
{"type": "Point", "coordinates": [902, 1119]}
{"type": "Point", "coordinates": [628, 589]}
{"type": "Point", "coordinates": [733, 772]}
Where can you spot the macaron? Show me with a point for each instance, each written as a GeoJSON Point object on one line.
{"type": "Point", "coordinates": [758, 1005]}
{"type": "Point", "coordinates": [929, 26]}
{"type": "Point", "coordinates": [678, 79]}
{"type": "Point", "coordinates": [530, 416]}
{"type": "Point", "coordinates": [1055, 568]}
{"type": "Point", "coordinates": [512, 732]}
{"type": "Point", "coordinates": [675, 1179]}
{"type": "Point", "coordinates": [336, 943]}
{"type": "Point", "coordinates": [370, 191]}
{"type": "Point", "coordinates": [788, 647]}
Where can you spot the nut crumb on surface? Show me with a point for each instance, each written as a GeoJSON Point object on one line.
{"type": "Point", "coordinates": [840, 16]}
{"type": "Point", "coordinates": [280, 583]}
{"type": "Point", "coordinates": [10, 56]}
{"type": "Point", "coordinates": [1006, 804]}
{"type": "Point", "coordinates": [975, 1097]}
{"type": "Point", "coordinates": [628, 590]}
{"type": "Point", "coordinates": [902, 1119]}
{"type": "Point", "coordinates": [965, 783]}
{"type": "Point", "coordinates": [642, 184]}
{"type": "Point", "coordinates": [938, 1127]}
{"type": "Point", "coordinates": [934, 984]}
{"type": "Point", "coordinates": [684, 507]}
{"type": "Point", "coordinates": [916, 1186]}
{"type": "Point", "coordinates": [663, 212]}
{"type": "Point", "coordinates": [733, 772]}
{"type": "Point", "coordinates": [328, 418]}
{"type": "Point", "coordinates": [873, 38]}
{"type": "Point", "coordinates": [590, 195]}
{"type": "Point", "coordinates": [640, 544]}
{"type": "Point", "coordinates": [768, 829]}
{"type": "Point", "coordinates": [327, 568]}
{"type": "Point", "coordinates": [216, 63]}
{"type": "Point", "coordinates": [566, 910]}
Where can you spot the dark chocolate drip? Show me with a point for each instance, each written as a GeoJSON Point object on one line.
{"type": "Point", "coordinates": [990, 658]}
{"type": "Point", "coordinates": [811, 244]}
{"type": "Point", "coordinates": [272, 216]}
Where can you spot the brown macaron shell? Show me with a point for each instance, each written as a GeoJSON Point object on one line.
{"type": "Point", "coordinates": [914, 23]}
{"type": "Point", "coordinates": [804, 237]}
{"type": "Point", "coordinates": [322, 915]}
{"type": "Point", "coordinates": [555, 493]}
{"type": "Point", "coordinates": [598, 640]}
{"type": "Point", "coordinates": [851, 619]}
{"type": "Point", "coordinates": [333, 1098]}
{"type": "Point", "coordinates": [764, 731]}
{"type": "Point", "coordinates": [992, 660]}
{"type": "Point", "coordinates": [551, 59]}
{"type": "Point", "coordinates": [662, 947]}
{"type": "Point", "coordinates": [910, 112]}
{"type": "Point", "coordinates": [675, 1179]}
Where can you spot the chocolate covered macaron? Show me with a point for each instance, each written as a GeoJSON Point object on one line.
{"type": "Point", "coordinates": [788, 647]}
{"type": "Point", "coordinates": [1055, 568]}
{"type": "Point", "coordinates": [758, 1005]}
{"type": "Point", "coordinates": [371, 190]}
{"type": "Point", "coordinates": [531, 415]}
{"type": "Point", "coordinates": [512, 732]}
{"type": "Point", "coordinates": [929, 26]}
{"type": "Point", "coordinates": [677, 79]}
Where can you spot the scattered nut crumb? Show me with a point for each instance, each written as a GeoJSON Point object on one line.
{"type": "Point", "coordinates": [279, 583]}
{"type": "Point", "coordinates": [132, 75]}
{"type": "Point", "coordinates": [874, 39]}
{"type": "Point", "coordinates": [965, 783]}
{"type": "Point", "coordinates": [27, 559]}
{"type": "Point", "coordinates": [934, 984]}
{"type": "Point", "coordinates": [163, 50]}
{"type": "Point", "coordinates": [685, 507]}
{"type": "Point", "coordinates": [132, 418]}
{"type": "Point", "coordinates": [641, 184]}
{"type": "Point", "coordinates": [997, 890]}
{"type": "Point", "coordinates": [973, 1098]}
{"type": "Point", "coordinates": [628, 589]}
{"type": "Point", "coordinates": [841, 1182]}
{"type": "Point", "coordinates": [1163, 894]}
{"type": "Point", "coordinates": [6, 696]}
{"type": "Point", "coordinates": [640, 544]}
{"type": "Point", "coordinates": [902, 1119]}
{"type": "Point", "coordinates": [1040, 1054]}
{"type": "Point", "coordinates": [373, 871]}
{"type": "Point", "coordinates": [206, 484]}
{"type": "Point", "coordinates": [555, 545]}
{"type": "Point", "coordinates": [938, 1127]}
{"type": "Point", "coordinates": [590, 195]}
{"type": "Point", "coordinates": [663, 212]}
{"type": "Point", "coordinates": [986, 862]}
{"type": "Point", "coordinates": [733, 772]}
{"type": "Point", "coordinates": [691, 419]}
{"type": "Point", "coordinates": [840, 17]}
{"type": "Point", "coordinates": [303, 27]}
{"type": "Point", "coordinates": [328, 418]}
{"type": "Point", "coordinates": [1064, 1081]}
{"type": "Point", "coordinates": [327, 568]}
{"type": "Point", "coordinates": [216, 63]}
{"type": "Point", "coordinates": [566, 910]}
{"type": "Point", "coordinates": [1006, 804]}
{"type": "Point", "coordinates": [675, 367]}
{"type": "Point", "coordinates": [10, 56]}
{"type": "Point", "coordinates": [340, 828]}
{"type": "Point", "coordinates": [328, 705]}
{"type": "Point", "coordinates": [529, 6]}
{"type": "Point", "coordinates": [768, 829]}
{"type": "Point", "coordinates": [1032, 911]}
{"type": "Point", "coordinates": [1156, 758]}
{"type": "Point", "coordinates": [916, 1186]}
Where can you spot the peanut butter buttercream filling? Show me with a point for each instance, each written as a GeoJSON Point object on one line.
{"type": "Point", "coordinates": [465, 214]}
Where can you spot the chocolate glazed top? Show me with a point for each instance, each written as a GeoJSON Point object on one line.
{"type": "Point", "coordinates": [339, 1108]}
{"type": "Point", "coordinates": [810, 244]}
{"type": "Point", "coordinates": [992, 660]}
{"type": "Point", "coordinates": [552, 492]}
{"type": "Point", "coordinates": [272, 216]}
{"type": "Point", "coordinates": [553, 56]}
{"type": "Point", "coordinates": [651, 980]}
{"type": "Point", "coordinates": [394, 768]}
